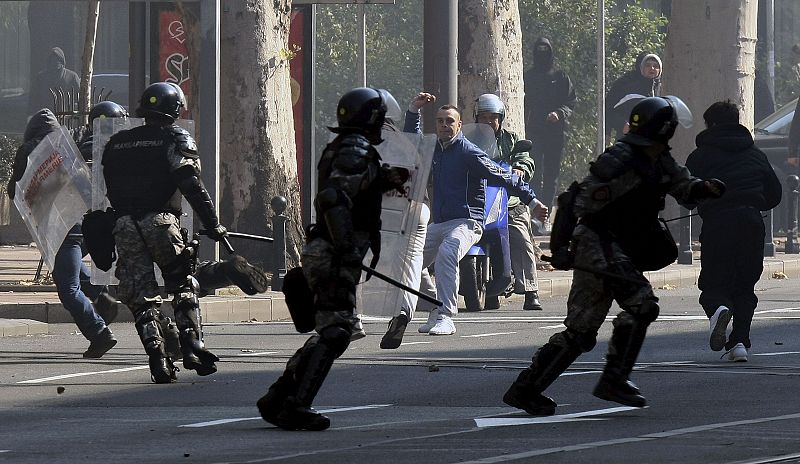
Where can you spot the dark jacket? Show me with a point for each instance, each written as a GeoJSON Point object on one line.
{"type": "Point", "coordinates": [632, 82]}
{"type": "Point", "coordinates": [40, 124]}
{"type": "Point", "coordinates": [547, 89]}
{"type": "Point", "coordinates": [61, 77]}
{"type": "Point", "coordinates": [459, 176]}
{"type": "Point", "coordinates": [726, 152]}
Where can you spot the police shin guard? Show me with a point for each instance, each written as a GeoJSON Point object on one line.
{"type": "Point", "coordinates": [549, 362]}
{"type": "Point", "coordinates": [236, 271]}
{"type": "Point", "coordinates": [315, 363]}
{"type": "Point", "coordinates": [195, 355]}
{"type": "Point", "coordinates": [623, 350]}
{"type": "Point", "coordinates": [149, 325]}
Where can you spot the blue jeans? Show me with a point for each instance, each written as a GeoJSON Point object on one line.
{"type": "Point", "coordinates": [71, 277]}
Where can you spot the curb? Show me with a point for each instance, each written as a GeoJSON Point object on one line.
{"type": "Point", "coordinates": [19, 327]}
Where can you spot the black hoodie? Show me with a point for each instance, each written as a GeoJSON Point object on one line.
{"type": "Point", "coordinates": [726, 152]}
{"type": "Point", "coordinates": [547, 89]}
{"type": "Point", "coordinates": [40, 124]}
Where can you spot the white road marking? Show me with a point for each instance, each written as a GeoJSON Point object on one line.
{"type": "Point", "coordinates": [557, 326]}
{"type": "Point", "coordinates": [620, 441]}
{"type": "Point", "coordinates": [414, 343]}
{"type": "Point", "coordinates": [775, 354]}
{"type": "Point", "coordinates": [240, 419]}
{"type": "Point", "coordinates": [506, 421]}
{"type": "Point", "coordinates": [5, 451]}
{"type": "Point", "coordinates": [777, 310]}
{"type": "Point", "coordinates": [259, 353]}
{"type": "Point", "coordinates": [83, 374]}
{"type": "Point", "coordinates": [487, 335]}
{"type": "Point", "coordinates": [771, 459]}
{"type": "Point", "coordinates": [565, 374]}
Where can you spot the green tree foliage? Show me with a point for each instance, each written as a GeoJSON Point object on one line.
{"type": "Point", "coordinates": [571, 27]}
{"type": "Point", "coordinates": [394, 56]}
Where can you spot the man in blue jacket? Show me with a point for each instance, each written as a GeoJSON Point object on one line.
{"type": "Point", "coordinates": [459, 176]}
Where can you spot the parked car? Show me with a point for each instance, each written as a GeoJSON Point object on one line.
{"type": "Point", "coordinates": [14, 106]}
{"type": "Point", "coordinates": [772, 137]}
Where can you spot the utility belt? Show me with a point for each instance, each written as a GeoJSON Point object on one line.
{"type": "Point", "coordinates": [138, 213]}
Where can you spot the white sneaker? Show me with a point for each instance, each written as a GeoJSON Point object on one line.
{"type": "Point", "coordinates": [433, 316]}
{"type": "Point", "coordinates": [718, 327]}
{"type": "Point", "coordinates": [737, 354]}
{"type": "Point", "coordinates": [358, 329]}
{"type": "Point", "coordinates": [444, 326]}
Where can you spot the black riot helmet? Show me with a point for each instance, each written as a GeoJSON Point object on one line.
{"type": "Point", "coordinates": [654, 119]}
{"type": "Point", "coordinates": [362, 109]}
{"type": "Point", "coordinates": [162, 99]}
{"type": "Point", "coordinates": [107, 109]}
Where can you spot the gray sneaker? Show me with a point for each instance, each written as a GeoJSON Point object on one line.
{"type": "Point", "coordinates": [736, 354]}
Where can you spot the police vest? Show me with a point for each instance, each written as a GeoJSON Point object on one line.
{"type": "Point", "coordinates": [137, 171]}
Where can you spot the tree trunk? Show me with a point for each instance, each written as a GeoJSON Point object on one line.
{"type": "Point", "coordinates": [490, 57]}
{"type": "Point", "coordinates": [85, 97]}
{"type": "Point", "coordinates": [257, 134]}
{"type": "Point", "coordinates": [710, 56]}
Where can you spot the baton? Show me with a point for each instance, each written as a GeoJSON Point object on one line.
{"type": "Point", "coordinates": [364, 267]}
{"type": "Point", "coordinates": [225, 242]}
{"type": "Point", "coordinates": [600, 272]}
{"type": "Point", "coordinates": [397, 284]}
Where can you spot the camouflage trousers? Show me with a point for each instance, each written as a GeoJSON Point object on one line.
{"type": "Point", "coordinates": [333, 284]}
{"type": "Point", "coordinates": [159, 242]}
{"type": "Point", "coordinates": [591, 295]}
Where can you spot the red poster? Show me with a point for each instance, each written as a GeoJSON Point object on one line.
{"type": "Point", "coordinates": [173, 54]}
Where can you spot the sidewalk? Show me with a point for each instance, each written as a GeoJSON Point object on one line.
{"type": "Point", "coordinates": [26, 308]}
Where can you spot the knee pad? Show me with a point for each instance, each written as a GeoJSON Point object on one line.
{"type": "Point", "coordinates": [646, 312]}
{"type": "Point", "coordinates": [336, 338]}
{"type": "Point", "coordinates": [582, 341]}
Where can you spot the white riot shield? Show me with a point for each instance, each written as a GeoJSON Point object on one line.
{"type": "Point", "coordinates": [103, 129]}
{"type": "Point", "coordinates": [483, 136]}
{"type": "Point", "coordinates": [400, 217]}
{"type": "Point", "coordinates": [54, 193]}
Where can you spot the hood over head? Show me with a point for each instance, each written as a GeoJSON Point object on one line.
{"type": "Point", "coordinates": [40, 124]}
{"type": "Point", "coordinates": [542, 54]}
{"type": "Point", "coordinates": [650, 56]}
{"type": "Point", "coordinates": [727, 137]}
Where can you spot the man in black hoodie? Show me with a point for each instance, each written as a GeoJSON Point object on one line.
{"type": "Point", "coordinates": [55, 75]}
{"type": "Point", "coordinates": [732, 235]}
{"type": "Point", "coordinates": [549, 101]}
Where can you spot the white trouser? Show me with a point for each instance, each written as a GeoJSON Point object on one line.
{"type": "Point", "coordinates": [413, 263]}
{"type": "Point", "coordinates": [445, 245]}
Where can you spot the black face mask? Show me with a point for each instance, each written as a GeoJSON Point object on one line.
{"type": "Point", "coordinates": [542, 58]}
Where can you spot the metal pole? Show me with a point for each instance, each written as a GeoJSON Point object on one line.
{"type": "Point", "coordinates": [440, 56]}
{"type": "Point", "coordinates": [601, 76]}
{"type": "Point", "coordinates": [769, 244]}
{"type": "Point", "coordinates": [792, 182]}
{"type": "Point", "coordinates": [685, 249]}
{"type": "Point", "coordinates": [208, 129]}
{"type": "Point", "coordinates": [137, 62]}
{"type": "Point", "coordinates": [362, 45]}
{"type": "Point", "coordinates": [278, 205]}
{"type": "Point", "coordinates": [770, 39]}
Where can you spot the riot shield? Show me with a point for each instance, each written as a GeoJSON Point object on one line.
{"type": "Point", "coordinates": [54, 192]}
{"type": "Point", "coordinates": [400, 217]}
{"type": "Point", "coordinates": [483, 136]}
{"type": "Point", "coordinates": [102, 131]}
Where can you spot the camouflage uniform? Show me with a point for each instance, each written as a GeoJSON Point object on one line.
{"type": "Point", "coordinates": [617, 206]}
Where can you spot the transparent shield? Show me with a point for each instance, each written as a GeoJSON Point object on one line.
{"type": "Point", "coordinates": [54, 192]}
{"type": "Point", "coordinates": [682, 111]}
{"type": "Point", "coordinates": [103, 129]}
{"type": "Point", "coordinates": [483, 136]}
{"type": "Point", "coordinates": [400, 217]}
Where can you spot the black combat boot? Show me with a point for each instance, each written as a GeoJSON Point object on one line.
{"type": "Point", "coordinates": [270, 404]}
{"type": "Point", "coordinates": [148, 324]}
{"type": "Point", "coordinates": [236, 271]}
{"type": "Point", "coordinates": [195, 355]}
{"type": "Point", "coordinates": [526, 392]}
{"type": "Point", "coordinates": [100, 344]}
{"type": "Point", "coordinates": [623, 349]}
{"type": "Point", "coordinates": [161, 369]}
{"type": "Point", "coordinates": [296, 412]}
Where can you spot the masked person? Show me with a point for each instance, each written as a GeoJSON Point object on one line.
{"type": "Point", "coordinates": [607, 229]}
{"type": "Point", "coordinates": [490, 110]}
{"type": "Point", "coordinates": [55, 75]}
{"type": "Point", "coordinates": [351, 184]}
{"type": "Point", "coordinates": [146, 170]}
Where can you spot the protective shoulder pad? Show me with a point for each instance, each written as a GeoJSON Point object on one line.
{"type": "Point", "coordinates": [355, 145]}
{"type": "Point", "coordinates": [612, 163]}
{"type": "Point", "coordinates": [185, 144]}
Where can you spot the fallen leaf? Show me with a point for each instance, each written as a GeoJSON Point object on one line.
{"type": "Point", "coordinates": [779, 275]}
{"type": "Point", "coordinates": [667, 287]}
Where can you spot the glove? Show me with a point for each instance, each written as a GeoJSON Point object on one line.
{"type": "Point", "coordinates": [562, 259]}
{"type": "Point", "coordinates": [217, 233]}
{"type": "Point", "coordinates": [394, 177]}
{"type": "Point", "coordinates": [717, 185]}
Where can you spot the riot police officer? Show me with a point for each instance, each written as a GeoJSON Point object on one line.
{"type": "Point", "coordinates": [146, 171]}
{"type": "Point", "coordinates": [351, 184]}
{"type": "Point", "coordinates": [607, 229]}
